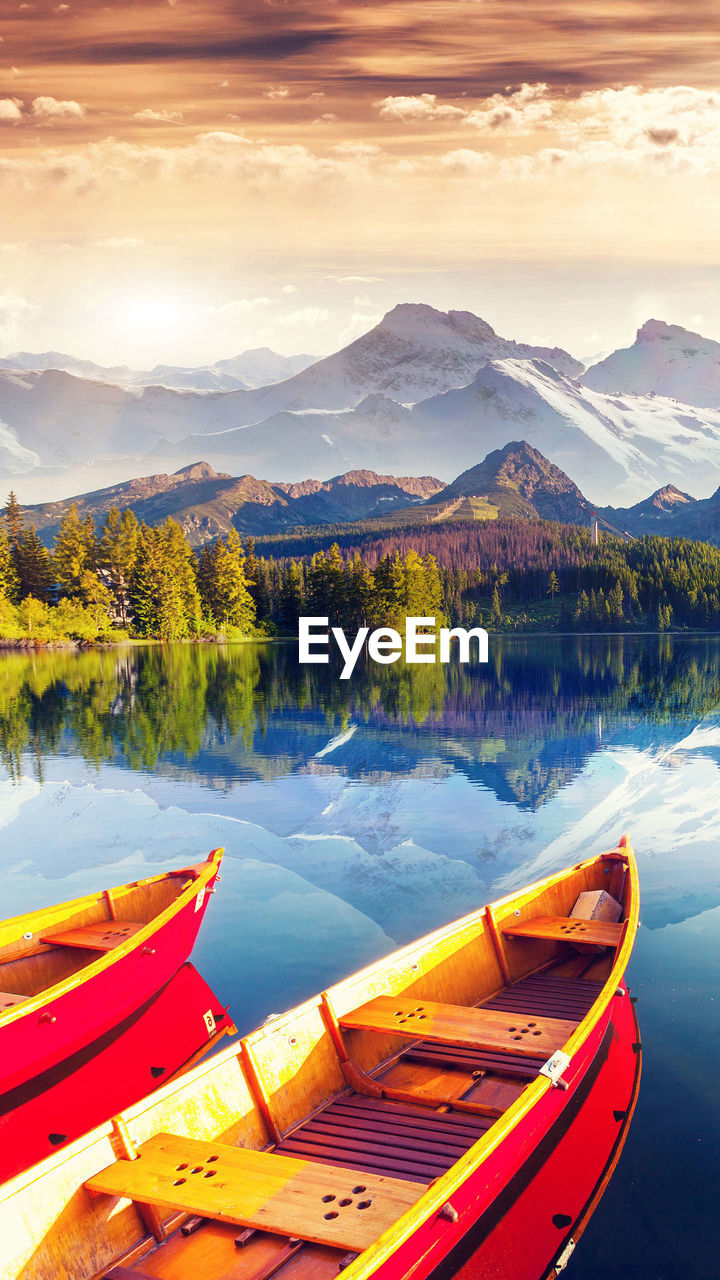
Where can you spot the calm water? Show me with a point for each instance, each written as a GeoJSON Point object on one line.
{"type": "Point", "coordinates": [357, 815]}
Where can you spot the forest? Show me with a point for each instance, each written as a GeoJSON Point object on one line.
{"type": "Point", "coordinates": [126, 580]}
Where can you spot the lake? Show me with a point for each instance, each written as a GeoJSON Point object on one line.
{"type": "Point", "coordinates": [357, 815]}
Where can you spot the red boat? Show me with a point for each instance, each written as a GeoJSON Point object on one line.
{"type": "Point", "coordinates": [170, 1031]}
{"type": "Point", "coordinates": [454, 1109]}
{"type": "Point", "coordinates": [70, 973]}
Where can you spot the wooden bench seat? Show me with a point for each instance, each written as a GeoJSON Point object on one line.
{"type": "Point", "coordinates": [601, 933]}
{"type": "Point", "coordinates": [95, 937]}
{"type": "Point", "coordinates": [8, 1000]}
{"type": "Point", "coordinates": [536, 1037]}
{"type": "Point", "coordinates": [259, 1189]}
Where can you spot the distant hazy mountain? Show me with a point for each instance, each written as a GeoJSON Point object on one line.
{"type": "Point", "coordinates": [208, 504]}
{"type": "Point", "coordinates": [39, 362]}
{"type": "Point", "coordinates": [258, 367]}
{"type": "Point", "coordinates": [664, 360]}
{"type": "Point", "coordinates": [673, 514]}
{"type": "Point", "coordinates": [656, 514]}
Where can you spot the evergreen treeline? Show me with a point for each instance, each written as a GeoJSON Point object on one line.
{"type": "Point", "coordinates": [127, 578]}
{"type": "Point", "coordinates": [506, 567]}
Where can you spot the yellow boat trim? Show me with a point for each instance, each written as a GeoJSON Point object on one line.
{"type": "Point", "coordinates": [109, 958]}
{"type": "Point", "coordinates": [433, 1200]}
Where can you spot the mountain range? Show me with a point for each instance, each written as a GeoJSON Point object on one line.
{"type": "Point", "coordinates": [256, 368]}
{"type": "Point", "coordinates": [423, 392]}
{"type": "Point", "coordinates": [515, 482]}
{"type": "Point", "coordinates": [208, 504]}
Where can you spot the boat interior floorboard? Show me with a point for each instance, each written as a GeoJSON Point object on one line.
{"type": "Point", "coordinates": [381, 1136]}
{"type": "Point", "coordinates": [211, 1253]}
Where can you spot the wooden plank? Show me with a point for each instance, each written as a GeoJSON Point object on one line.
{"type": "Point", "coordinates": [292, 1197]}
{"type": "Point", "coordinates": [536, 1037]}
{"type": "Point", "coordinates": [8, 1000]}
{"type": "Point", "coordinates": [567, 929]}
{"type": "Point", "coordinates": [95, 937]}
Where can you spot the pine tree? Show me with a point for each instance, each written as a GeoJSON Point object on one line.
{"type": "Point", "coordinates": [389, 602]}
{"type": "Point", "coordinates": [96, 597]}
{"type": "Point", "coordinates": [9, 582]}
{"type": "Point", "coordinates": [14, 521]}
{"type": "Point", "coordinates": [117, 554]}
{"type": "Point", "coordinates": [71, 557]}
{"type": "Point", "coordinates": [34, 567]}
{"type": "Point", "coordinates": [553, 585]}
{"type": "Point", "coordinates": [326, 585]}
{"type": "Point", "coordinates": [496, 606]}
{"type": "Point", "coordinates": [615, 602]}
{"type": "Point", "coordinates": [223, 586]}
{"type": "Point", "coordinates": [178, 599]}
{"type": "Point", "coordinates": [359, 592]}
{"type": "Point", "coordinates": [292, 596]}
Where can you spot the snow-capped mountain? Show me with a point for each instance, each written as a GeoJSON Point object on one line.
{"type": "Point", "coordinates": [617, 446]}
{"type": "Point", "coordinates": [415, 351]}
{"type": "Point", "coordinates": [258, 367]}
{"type": "Point", "coordinates": [424, 392]}
{"type": "Point", "coordinates": [664, 360]}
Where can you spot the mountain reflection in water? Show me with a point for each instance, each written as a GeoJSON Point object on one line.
{"type": "Point", "coordinates": [523, 726]}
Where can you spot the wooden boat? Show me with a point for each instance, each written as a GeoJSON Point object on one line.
{"type": "Point", "coordinates": [455, 1108]}
{"type": "Point", "coordinates": [70, 972]}
{"type": "Point", "coordinates": [167, 1034]}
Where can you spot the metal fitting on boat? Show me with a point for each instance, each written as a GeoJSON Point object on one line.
{"type": "Point", "coordinates": [448, 1213]}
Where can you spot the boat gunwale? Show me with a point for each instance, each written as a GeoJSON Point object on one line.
{"type": "Point", "coordinates": [85, 974]}
{"type": "Point", "coordinates": [437, 1195]}
{"type": "Point", "coordinates": [434, 1197]}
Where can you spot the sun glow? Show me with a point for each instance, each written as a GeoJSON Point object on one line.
{"type": "Point", "coordinates": [153, 313]}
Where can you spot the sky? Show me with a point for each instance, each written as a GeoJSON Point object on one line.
{"type": "Point", "coordinates": [182, 180]}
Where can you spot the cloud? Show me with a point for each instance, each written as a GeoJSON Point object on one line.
{"type": "Point", "coordinates": [305, 317]}
{"type": "Point", "coordinates": [46, 109]}
{"type": "Point", "coordinates": [14, 310]}
{"type": "Point", "coordinates": [356, 149]}
{"type": "Point", "coordinates": [238, 307]}
{"type": "Point", "coordinates": [150, 116]}
{"type": "Point", "coordinates": [10, 110]}
{"type": "Point", "coordinates": [218, 156]}
{"type": "Point", "coordinates": [118, 242]}
{"type": "Point", "coordinates": [520, 111]}
{"type": "Point", "coordinates": [465, 160]}
{"type": "Point", "coordinates": [675, 127]}
{"type": "Point", "coordinates": [276, 91]}
{"type": "Point", "coordinates": [356, 279]}
{"type": "Point", "coordinates": [289, 289]}
{"type": "Point", "coordinates": [418, 108]}
{"type": "Point", "coordinates": [357, 325]}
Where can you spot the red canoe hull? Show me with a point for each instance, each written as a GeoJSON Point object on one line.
{"type": "Point", "coordinates": [519, 1212]}
{"type": "Point", "coordinates": [108, 1074]}
{"type": "Point", "coordinates": [33, 1044]}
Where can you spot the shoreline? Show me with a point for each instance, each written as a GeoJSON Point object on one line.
{"type": "Point", "coordinates": [26, 645]}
